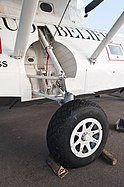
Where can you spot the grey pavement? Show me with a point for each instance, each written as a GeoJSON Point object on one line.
{"type": "Point", "coordinates": [23, 149]}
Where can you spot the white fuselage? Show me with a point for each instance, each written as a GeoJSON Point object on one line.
{"type": "Point", "coordinates": [72, 46]}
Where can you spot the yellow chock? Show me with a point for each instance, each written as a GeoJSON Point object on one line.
{"type": "Point", "coordinates": [109, 157]}
{"type": "Point", "coordinates": [59, 170]}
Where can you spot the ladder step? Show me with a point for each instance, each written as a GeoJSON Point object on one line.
{"type": "Point", "coordinates": [54, 98]}
{"type": "Point", "coordinates": [44, 77]}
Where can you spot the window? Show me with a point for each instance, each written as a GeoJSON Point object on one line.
{"type": "Point", "coordinates": [46, 7]}
{"type": "Point", "coordinates": [115, 52]}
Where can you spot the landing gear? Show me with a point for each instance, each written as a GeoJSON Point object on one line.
{"type": "Point", "coordinates": [77, 133]}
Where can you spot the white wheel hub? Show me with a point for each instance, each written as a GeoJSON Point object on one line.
{"type": "Point", "coordinates": [86, 137]}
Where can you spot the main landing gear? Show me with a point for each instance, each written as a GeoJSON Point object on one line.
{"type": "Point", "coordinates": [77, 133]}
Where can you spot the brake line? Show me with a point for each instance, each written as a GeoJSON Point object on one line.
{"type": "Point", "coordinates": [47, 63]}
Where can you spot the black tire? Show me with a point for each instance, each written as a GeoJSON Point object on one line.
{"type": "Point", "coordinates": [62, 127]}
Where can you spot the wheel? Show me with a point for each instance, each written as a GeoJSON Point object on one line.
{"type": "Point", "coordinates": [77, 133]}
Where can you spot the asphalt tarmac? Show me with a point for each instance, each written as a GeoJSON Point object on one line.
{"type": "Point", "coordinates": [23, 149]}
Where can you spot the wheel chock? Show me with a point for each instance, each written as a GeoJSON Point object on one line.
{"type": "Point", "coordinates": [59, 170]}
{"type": "Point", "coordinates": [120, 125]}
{"type": "Point", "coordinates": [109, 157]}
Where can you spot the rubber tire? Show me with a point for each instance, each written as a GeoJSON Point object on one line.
{"type": "Point", "coordinates": [61, 126]}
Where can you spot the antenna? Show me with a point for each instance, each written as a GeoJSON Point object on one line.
{"type": "Point", "coordinates": [92, 5]}
{"type": "Point", "coordinates": [62, 16]}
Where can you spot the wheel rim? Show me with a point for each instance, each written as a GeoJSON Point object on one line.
{"type": "Point", "coordinates": [86, 137]}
